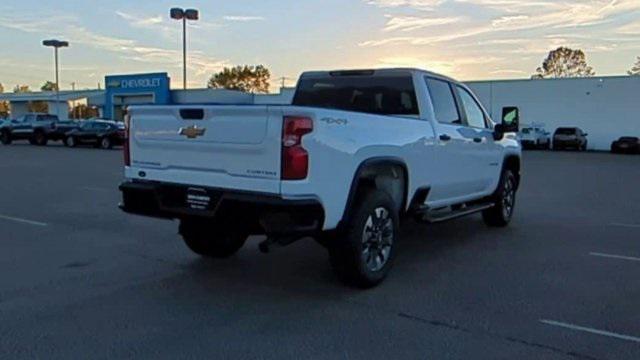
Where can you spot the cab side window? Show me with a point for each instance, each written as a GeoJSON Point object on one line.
{"type": "Point", "coordinates": [443, 100]}
{"type": "Point", "coordinates": [475, 115]}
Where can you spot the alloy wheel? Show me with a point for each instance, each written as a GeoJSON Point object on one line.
{"type": "Point", "coordinates": [508, 197]}
{"type": "Point", "coordinates": [377, 239]}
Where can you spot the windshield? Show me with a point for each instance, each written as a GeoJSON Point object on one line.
{"type": "Point", "coordinates": [566, 131]}
{"type": "Point", "coordinates": [47, 118]}
{"type": "Point", "coordinates": [629, 139]}
{"type": "Point", "coordinates": [383, 95]}
{"type": "Point", "coordinates": [526, 131]}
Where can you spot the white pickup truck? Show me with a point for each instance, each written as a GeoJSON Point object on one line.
{"type": "Point", "coordinates": [355, 153]}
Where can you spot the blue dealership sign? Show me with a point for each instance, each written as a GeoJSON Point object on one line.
{"type": "Point", "coordinates": [123, 90]}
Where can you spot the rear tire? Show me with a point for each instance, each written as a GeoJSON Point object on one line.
{"type": "Point", "coordinates": [501, 213]}
{"type": "Point", "coordinates": [5, 137]}
{"type": "Point", "coordinates": [364, 252]}
{"type": "Point", "coordinates": [208, 240]}
{"type": "Point", "coordinates": [40, 138]}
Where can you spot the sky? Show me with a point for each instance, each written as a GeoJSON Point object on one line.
{"type": "Point", "coordinates": [465, 39]}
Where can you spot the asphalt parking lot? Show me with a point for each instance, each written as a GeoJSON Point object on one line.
{"type": "Point", "coordinates": [80, 279]}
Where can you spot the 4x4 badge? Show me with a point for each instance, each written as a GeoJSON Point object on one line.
{"type": "Point", "coordinates": [192, 132]}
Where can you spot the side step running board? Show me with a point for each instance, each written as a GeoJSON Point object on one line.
{"type": "Point", "coordinates": [464, 211]}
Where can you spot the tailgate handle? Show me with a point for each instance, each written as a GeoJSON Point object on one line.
{"type": "Point", "coordinates": [192, 114]}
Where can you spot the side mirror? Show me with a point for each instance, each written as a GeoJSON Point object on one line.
{"type": "Point", "coordinates": [510, 122]}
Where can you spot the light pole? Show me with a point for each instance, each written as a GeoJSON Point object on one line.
{"type": "Point", "coordinates": [184, 15]}
{"type": "Point", "coordinates": [56, 44]}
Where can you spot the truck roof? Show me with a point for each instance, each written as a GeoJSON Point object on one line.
{"type": "Point", "coordinates": [380, 71]}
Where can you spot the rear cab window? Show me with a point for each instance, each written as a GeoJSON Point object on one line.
{"type": "Point", "coordinates": [359, 91]}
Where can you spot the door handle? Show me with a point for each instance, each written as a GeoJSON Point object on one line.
{"type": "Point", "coordinates": [445, 137]}
{"type": "Point", "coordinates": [477, 140]}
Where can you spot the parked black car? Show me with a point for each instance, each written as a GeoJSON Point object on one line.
{"type": "Point", "coordinates": [570, 138]}
{"type": "Point", "coordinates": [99, 133]}
{"type": "Point", "coordinates": [626, 145]}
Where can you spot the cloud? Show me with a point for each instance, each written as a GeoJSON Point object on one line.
{"type": "Point", "coordinates": [508, 72]}
{"type": "Point", "coordinates": [410, 23]}
{"type": "Point", "coordinates": [629, 29]}
{"type": "Point", "coordinates": [416, 4]}
{"type": "Point", "coordinates": [478, 22]}
{"type": "Point", "coordinates": [445, 66]}
{"type": "Point", "coordinates": [243, 18]}
{"type": "Point", "coordinates": [124, 48]}
{"type": "Point", "coordinates": [140, 21]}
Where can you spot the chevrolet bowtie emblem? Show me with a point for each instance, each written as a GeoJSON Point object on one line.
{"type": "Point", "coordinates": [192, 132]}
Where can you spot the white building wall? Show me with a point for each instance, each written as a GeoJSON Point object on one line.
{"type": "Point", "coordinates": [285, 97]}
{"type": "Point", "coordinates": [210, 96]}
{"type": "Point", "coordinates": [18, 109]}
{"type": "Point", "coordinates": [606, 108]}
{"type": "Point", "coordinates": [61, 109]}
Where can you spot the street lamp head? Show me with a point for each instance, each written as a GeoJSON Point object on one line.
{"type": "Point", "coordinates": [191, 14]}
{"type": "Point", "coordinates": [55, 43]}
{"type": "Point", "coordinates": [181, 14]}
{"type": "Point", "coordinates": [177, 13]}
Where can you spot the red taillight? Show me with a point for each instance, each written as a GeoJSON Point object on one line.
{"type": "Point", "coordinates": [295, 159]}
{"type": "Point", "coordinates": [127, 153]}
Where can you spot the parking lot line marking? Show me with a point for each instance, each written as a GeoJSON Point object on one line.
{"type": "Point", "coordinates": [93, 188]}
{"type": "Point", "coordinates": [24, 221]}
{"type": "Point", "coordinates": [634, 226]}
{"type": "Point", "coordinates": [619, 257]}
{"type": "Point", "coordinates": [591, 330]}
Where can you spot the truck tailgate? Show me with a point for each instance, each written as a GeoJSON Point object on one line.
{"type": "Point", "coordinates": [228, 147]}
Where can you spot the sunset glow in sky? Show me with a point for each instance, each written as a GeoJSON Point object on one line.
{"type": "Point", "coordinates": [467, 39]}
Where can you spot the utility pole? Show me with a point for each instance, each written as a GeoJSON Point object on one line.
{"type": "Point", "coordinates": [283, 81]}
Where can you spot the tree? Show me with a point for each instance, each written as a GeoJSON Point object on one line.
{"type": "Point", "coordinates": [4, 105]}
{"type": "Point", "coordinates": [252, 79]}
{"type": "Point", "coordinates": [48, 86]}
{"type": "Point", "coordinates": [564, 63]}
{"type": "Point", "coordinates": [21, 89]}
{"type": "Point", "coordinates": [82, 111]}
{"type": "Point", "coordinates": [635, 70]}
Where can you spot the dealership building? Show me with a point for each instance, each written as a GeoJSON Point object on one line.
{"type": "Point", "coordinates": [605, 107]}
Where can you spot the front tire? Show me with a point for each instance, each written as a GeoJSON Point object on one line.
{"type": "Point", "coordinates": [501, 213]}
{"type": "Point", "coordinates": [70, 141]}
{"type": "Point", "coordinates": [363, 255]}
{"type": "Point", "coordinates": [5, 137]}
{"type": "Point", "coordinates": [105, 143]}
{"type": "Point", "coordinates": [209, 240]}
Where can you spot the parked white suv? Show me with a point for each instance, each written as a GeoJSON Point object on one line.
{"type": "Point", "coordinates": [355, 152]}
{"type": "Point", "coordinates": [535, 136]}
